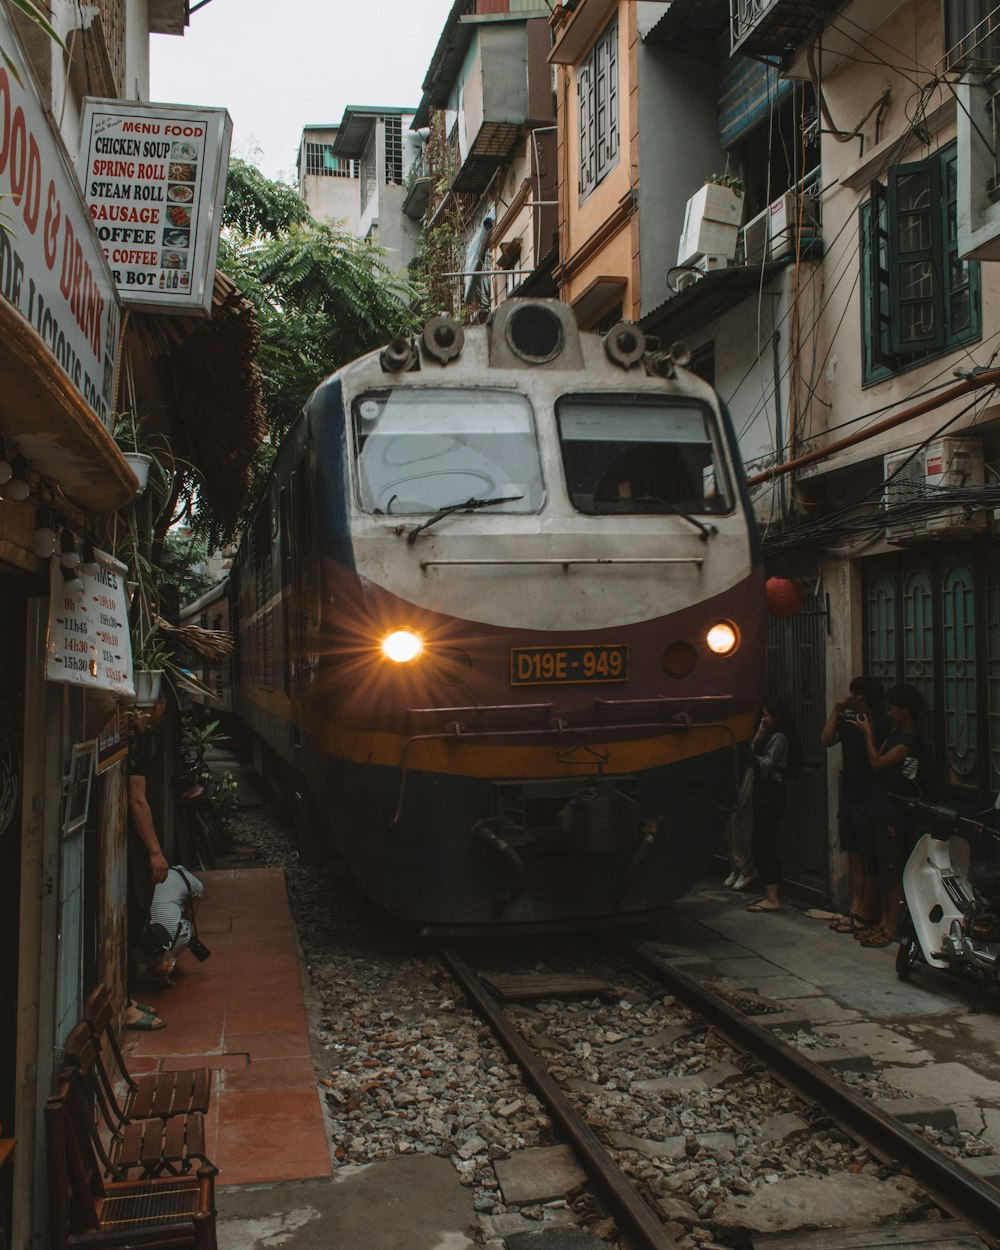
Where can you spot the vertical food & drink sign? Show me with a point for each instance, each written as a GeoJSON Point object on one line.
{"type": "Point", "coordinates": [52, 272]}
{"type": "Point", "coordinates": [154, 176]}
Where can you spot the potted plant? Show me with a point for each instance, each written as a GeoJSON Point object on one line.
{"type": "Point", "coordinates": [150, 660]}
{"type": "Point", "coordinates": [126, 433]}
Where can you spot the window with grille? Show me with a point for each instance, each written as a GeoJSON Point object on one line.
{"type": "Point", "coordinates": [597, 100]}
{"type": "Point", "coordinates": [393, 149]}
{"type": "Point", "coordinates": [321, 162]}
{"type": "Point", "coordinates": [918, 299]}
{"type": "Point", "coordinates": [369, 173]}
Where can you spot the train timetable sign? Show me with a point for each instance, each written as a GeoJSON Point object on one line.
{"type": "Point", "coordinates": [88, 641]}
{"type": "Point", "coordinates": [153, 176]}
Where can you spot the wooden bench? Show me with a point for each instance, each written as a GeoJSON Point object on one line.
{"type": "Point", "coordinates": [147, 1094]}
{"type": "Point", "coordinates": [86, 1210]}
{"type": "Point", "coordinates": [152, 1146]}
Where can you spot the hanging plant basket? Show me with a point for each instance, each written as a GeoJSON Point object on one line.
{"type": "Point", "coordinates": [139, 463]}
{"type": "Point", "coordinates": [147, 686]}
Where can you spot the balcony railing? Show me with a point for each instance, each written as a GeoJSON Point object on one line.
{"type": "Point", "coordinates": [978, 48]}
{"type": "Point", "coordinates": [775, 27]}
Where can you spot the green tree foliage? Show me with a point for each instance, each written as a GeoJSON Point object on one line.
{"type": "Point", "coordinates": [322, 296]}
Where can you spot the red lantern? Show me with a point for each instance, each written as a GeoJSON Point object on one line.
{"type": "Point", "coordinates": [784, 596]}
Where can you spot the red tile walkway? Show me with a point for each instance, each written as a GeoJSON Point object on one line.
{"type": "Point", "coordinates": [242, 1012]}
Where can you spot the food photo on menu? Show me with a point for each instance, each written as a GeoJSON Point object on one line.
{"type": "Point", "coordinates": [176, 238]}
{"type": "Point", "coordinates": [178, 216]}
{"type": "Point", "coordinates": [183, 152]}
{"type": "Point", "coordinates": [181, 171]}
{"type": "Point", "coordinates": [180, 192]}
{"type": "Point", "coordinates": [173, 260]}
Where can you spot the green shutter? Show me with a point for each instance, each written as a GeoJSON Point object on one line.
{"type": "Point", "coordinates": [879, 279]}
{"type": "Point", "coordinates": [916, 251]}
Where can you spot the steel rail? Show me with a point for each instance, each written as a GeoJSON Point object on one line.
{"type": "Point", "coordinates": [954, 1187]}
{"type": "Point", "coordinates": [633, 1214]}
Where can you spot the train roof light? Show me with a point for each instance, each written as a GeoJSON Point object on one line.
{"type": "Point", "coordinates": [443, 338]}
{"type": "Point", "coordinates": [535, 333]}
{"type": "Point", "coordinates": [625, 344]}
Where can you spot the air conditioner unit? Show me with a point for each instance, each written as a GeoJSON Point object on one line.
{"type": "Point", "coordinates": [791, 217]}
{"type": "Point", "coordinates": [754, 238]}
{"type": "Point", "coordinates": [914, 476]}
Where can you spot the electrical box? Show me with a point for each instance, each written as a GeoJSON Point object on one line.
{"type": "Point", "coordinates": [918, 474]}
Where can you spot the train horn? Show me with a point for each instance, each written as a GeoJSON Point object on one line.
{"type": "Point", "coordinates": [443, 338]}
{"type": "Point", "coordinates": [399, 355]}
{"type": "Point", "coordinates": [625, 344]}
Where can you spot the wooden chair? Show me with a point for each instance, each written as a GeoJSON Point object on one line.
{"type": "Point", "coordinates": [152, 1147]}
{"type": "Point", "coordinates": [147, 1094]}
{"type": "Point", "coordinates": [86, 1210]}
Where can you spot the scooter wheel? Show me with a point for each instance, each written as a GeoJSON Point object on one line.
{"type": "Point", "coordinates": [906, 957]}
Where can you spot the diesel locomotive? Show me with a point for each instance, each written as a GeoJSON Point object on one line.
{"type": "Point", "coordinates": [500, 623]}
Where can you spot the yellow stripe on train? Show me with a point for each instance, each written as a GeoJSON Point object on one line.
{"type": "Point", "coordinates": [469, 756]}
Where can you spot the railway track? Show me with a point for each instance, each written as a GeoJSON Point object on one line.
{"type": "Point", "coordinates": [949, 1185]}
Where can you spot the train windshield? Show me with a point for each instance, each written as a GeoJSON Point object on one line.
{"type": "Point", "coordinates": [419, 451]}
{"type": "Point", "coordinates": [641, 454]}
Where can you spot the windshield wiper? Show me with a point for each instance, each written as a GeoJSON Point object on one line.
{"type": "Point", "coordinates": [706, 530]}
{"type": "Point", "coordinates": [469, 505]}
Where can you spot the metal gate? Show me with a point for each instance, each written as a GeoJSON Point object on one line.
{"type": "Point", "coordinates": [796, 672]}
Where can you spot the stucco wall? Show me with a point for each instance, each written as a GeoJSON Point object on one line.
{"type": "Point", "coordinates": [915, 32]}
{"type": "Point", "coordinates": [679, 146]}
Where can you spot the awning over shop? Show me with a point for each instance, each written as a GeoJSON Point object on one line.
{"type": "Point", "coordinates": [46, 418]}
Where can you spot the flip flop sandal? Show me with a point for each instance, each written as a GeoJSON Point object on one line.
{"type": "Point", "coordinates": [148, 1022]}
{"type": "Point", "coordinates": [876, 940]}
{"type": "Point", "coordinates": [144, 1007]}
{"type": "Point", "coordinates": [851, 923]}
{"type": "Point", "coordinates": [763, 905]}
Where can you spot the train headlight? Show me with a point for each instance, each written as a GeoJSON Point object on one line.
{"type": "Point", "coordinates": [402, 646]}
{"type": "Point", "coordinates": [723, 638]}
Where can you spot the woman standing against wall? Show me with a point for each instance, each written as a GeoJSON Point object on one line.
{"type": "Point", "coordinates": [776, 753]}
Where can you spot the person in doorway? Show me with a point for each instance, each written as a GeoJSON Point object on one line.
{"type": "Point", "coordinates": [864, 697]}
{"type": "Point", "coordinates": [898, 766]}
{"type": "Point", "coordinates": [147, 865]}
{"type": "Point", "coordinates": [776, 753]}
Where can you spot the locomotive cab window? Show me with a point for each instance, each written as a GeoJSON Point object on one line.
{"type": "Point", "coordinates": [418, 451]}
{"type": "Point", "coordinates": [641, 454]}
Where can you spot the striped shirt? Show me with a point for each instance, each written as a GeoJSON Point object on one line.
{"type": "Point", "coordinates": [169, 899]}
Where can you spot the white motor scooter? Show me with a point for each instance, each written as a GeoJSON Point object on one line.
{"type": "Point", "coordinates": [953, 904]}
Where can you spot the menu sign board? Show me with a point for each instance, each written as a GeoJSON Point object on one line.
{"type": "Point", "coordinates": [52, 270]}
{"type": "Point", "coordinates": [88, 642]}
{"type": "Point", "coordinates": [153, 177]}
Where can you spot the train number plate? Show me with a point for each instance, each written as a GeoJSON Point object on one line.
{"type": "Point", "coordinates": [547, 666]}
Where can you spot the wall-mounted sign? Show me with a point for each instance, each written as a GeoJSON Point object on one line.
{"type": "Point", "coordinates": [154, 176]}
{"type": "Point", "coordinates": [52, 268]}
{"type": "Point", "coordinates": [88, 642]}
{"type": "Point", "coordinates": [112, 741]}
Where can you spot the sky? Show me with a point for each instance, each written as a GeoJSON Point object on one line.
{"type": "Point", "coordinates": [281, 65]}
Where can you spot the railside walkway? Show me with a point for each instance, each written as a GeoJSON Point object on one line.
{"type": "Point", "coordinates": [242, 1013]}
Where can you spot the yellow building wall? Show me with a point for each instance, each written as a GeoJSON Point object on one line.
{"type": "Point", "coordinates": [599, 236]}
